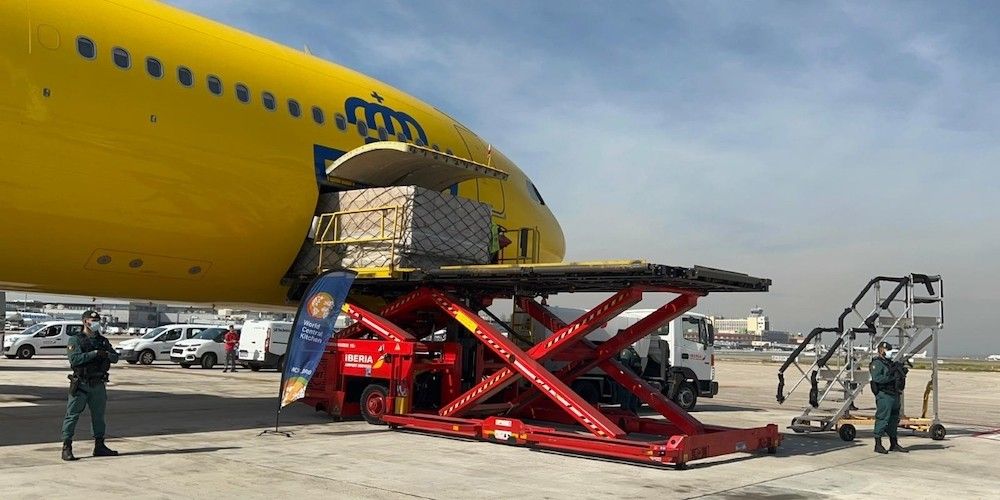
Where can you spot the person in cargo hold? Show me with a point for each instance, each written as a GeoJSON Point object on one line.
{"type": "Point", "coordinates": [232, 340]}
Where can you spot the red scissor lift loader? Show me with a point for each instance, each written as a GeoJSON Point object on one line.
{"type": "Point", "coordinates": [476, 382]}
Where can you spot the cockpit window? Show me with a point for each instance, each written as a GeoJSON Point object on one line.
{"type": "Point", "coordinates": [533, 191]}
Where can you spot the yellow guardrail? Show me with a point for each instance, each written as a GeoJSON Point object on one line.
{"type": "Point", "coordinates": [330, 232]}
{"type": "Point", "coordinates": [525, 246]}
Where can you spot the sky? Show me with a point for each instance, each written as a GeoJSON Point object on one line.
{"type": "Point", "coordinates": [814, 143]}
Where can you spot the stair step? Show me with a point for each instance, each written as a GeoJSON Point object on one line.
{"type": "Point", "coordinates": [926, 300]}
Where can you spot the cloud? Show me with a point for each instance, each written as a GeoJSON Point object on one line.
{"type": "Point", "coordinates": [817, 144]}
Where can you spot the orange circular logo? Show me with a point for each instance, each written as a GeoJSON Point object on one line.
{"type": "Point", "coordinates": [320, 305]}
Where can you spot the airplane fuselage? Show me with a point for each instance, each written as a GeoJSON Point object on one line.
{"type": "Point", "coordinates": [146, 152]}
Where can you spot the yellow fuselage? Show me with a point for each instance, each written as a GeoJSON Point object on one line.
{"type": "Point", "coordinates": [115, 182]}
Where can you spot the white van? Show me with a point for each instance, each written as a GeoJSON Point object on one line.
{"type": "Point", "coordinates": [263, 344]}
{"type": "Point", "coordinates": [50, 337]}
{"type": "Point", "coordinates": [157, 343]}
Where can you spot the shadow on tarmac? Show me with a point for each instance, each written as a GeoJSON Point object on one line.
{"type": "Point", "coordinates": [136, 413]}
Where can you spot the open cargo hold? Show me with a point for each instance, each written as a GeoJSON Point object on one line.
{"type": "Point", "coordinates": [397, 227]}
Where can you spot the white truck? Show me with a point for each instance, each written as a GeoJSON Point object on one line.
{"type": "Point", "coordinates": [50, 337]}
{"type": "Point", "coordinates": [678, 358]}
{"type": "Point", "coordinates": [263, 344]}
{"type": "Point", "coordinates": [157, 343]}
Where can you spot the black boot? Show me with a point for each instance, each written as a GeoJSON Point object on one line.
{"type": "Point", "coordinates": [103, 451]}
{"type": "Point", "coordinates": [894, 445]}
{"type": "Point", "coordinates": [67, 451]}
{"type": "Point", "coordinates": [878, 446]}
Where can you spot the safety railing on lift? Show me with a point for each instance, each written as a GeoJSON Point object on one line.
{"type": "Point", "coordinates": [383, 228]}
{"type": "Point", "coordinates": [526, 243]}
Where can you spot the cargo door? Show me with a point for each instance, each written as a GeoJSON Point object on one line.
{"type": "Point", "coordinates": [489, 190]}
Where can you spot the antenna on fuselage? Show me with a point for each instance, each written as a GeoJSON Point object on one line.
{"type": "Point", "coordinates": [305, 48]}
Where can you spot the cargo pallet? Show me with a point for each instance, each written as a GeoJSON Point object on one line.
{"type": "Point", "coordinates": [428, 362]}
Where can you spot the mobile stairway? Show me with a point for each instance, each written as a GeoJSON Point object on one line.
{"type": "Point", "coordinates": [907, 312]}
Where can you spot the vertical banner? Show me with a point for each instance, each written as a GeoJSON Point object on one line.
{"type": "Point", "coordinates": [314, 324]}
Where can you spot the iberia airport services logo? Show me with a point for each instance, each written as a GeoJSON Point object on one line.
{"type": "Point", "coordinates": [320, 306]}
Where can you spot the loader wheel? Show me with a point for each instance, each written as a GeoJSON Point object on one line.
{"type": "Point", "coordinates": [374, 404]}
{"type": "Point", "coordinates": [938, 432]}
{"type": "Point", "coordinates": [847, 432]}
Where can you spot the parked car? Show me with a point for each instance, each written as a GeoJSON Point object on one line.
{"type": "Point", "coordinates": [205, 349]}
{"type": "Point", "coordinates": [157, 343]}
{"type": "Point", "coordinates": [50, 337]}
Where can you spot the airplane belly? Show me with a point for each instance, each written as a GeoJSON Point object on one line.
{"type": "Point", "coordinates": [107, 214]}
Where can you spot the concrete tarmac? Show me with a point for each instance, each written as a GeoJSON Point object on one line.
{"type": "Point", "coordinates": [193, 433]}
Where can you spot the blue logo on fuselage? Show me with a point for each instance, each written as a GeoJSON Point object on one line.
{"type": "Point", "coordinates": [396, 123]}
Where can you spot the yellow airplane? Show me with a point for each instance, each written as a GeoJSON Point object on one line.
{"type": "Point", "coordinates": [146, 152]}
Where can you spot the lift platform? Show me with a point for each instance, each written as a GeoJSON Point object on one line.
{"type": "Point", "coordinates": [428, 361]}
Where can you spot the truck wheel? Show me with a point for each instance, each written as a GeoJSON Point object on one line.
{"type": "Point", "coordinates": [208, 360]}
{"type": "Point", "coordinates": [587, 390]}
{"type": "Point", "coordinates": [686, 397]}
{"type": "Point", "coordinates": [374, 403]}
{"type": "Point", "coordinates": [25, 352]}
{"type": "Point", "coordinates": [147, 357]}
{"type": "Point", "coordinates": [255, 368]}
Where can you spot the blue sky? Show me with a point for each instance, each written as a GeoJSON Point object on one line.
{"type": "Point", "coordinates": [817, 144]}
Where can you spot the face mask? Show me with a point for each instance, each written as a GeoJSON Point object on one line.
{"type": "Point", "coordinates": [96, 328]}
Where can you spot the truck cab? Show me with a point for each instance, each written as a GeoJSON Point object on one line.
{"type": "Point", "coordinates": [680, 357]}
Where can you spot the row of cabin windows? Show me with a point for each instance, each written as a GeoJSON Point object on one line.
{"type": "Point", "coordinates": [88, 50]}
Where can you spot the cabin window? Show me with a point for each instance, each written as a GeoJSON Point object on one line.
{"type": "Point", "coordinates": [185, 77]}
{"type": "Point", "coordinates": [317, 115]}
{"type": "Point", "coordinates": [341, 121]}
{"type": "Point", "coordinates": [401, 136]}
{"type": "Point", "coordinates": [86, 47]}
{"type": "Point", "coordinates": [419, 142]}
{"type": "Point", "coordinates": [154, 67]}
{"type": "Point", "coordinates": [436, 148]}
{"type": "Point", "coordinates": [448, 152]}
{"type": "Point", "coordinates": [242, 93]}
{"type": "Point", "coordinates": [294, 109]}
{"type": "Point", "coordinates": [268, 99]}
{"type": "Point", "coordinates": [383, 134]}
{"type": "Point", "coordinates": [121, 58]}
{"type": "Point", "coordinates": [215, 85]}
{"type": "Point", "coordinates": [363, 129]}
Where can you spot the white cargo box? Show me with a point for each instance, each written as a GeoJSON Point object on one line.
{"type": "Point", "coordinates": [398, 226]}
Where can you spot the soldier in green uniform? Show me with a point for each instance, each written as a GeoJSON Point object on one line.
{"type": "Point", "coordinates": [90, 355]}
{"type": "Point", "coordinates": [888, 382]}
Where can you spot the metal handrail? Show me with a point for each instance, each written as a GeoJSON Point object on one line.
{"type": "Point", "coordinates": [528, 245]}
{"type": "Point", "coordinates": [330, 222]}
